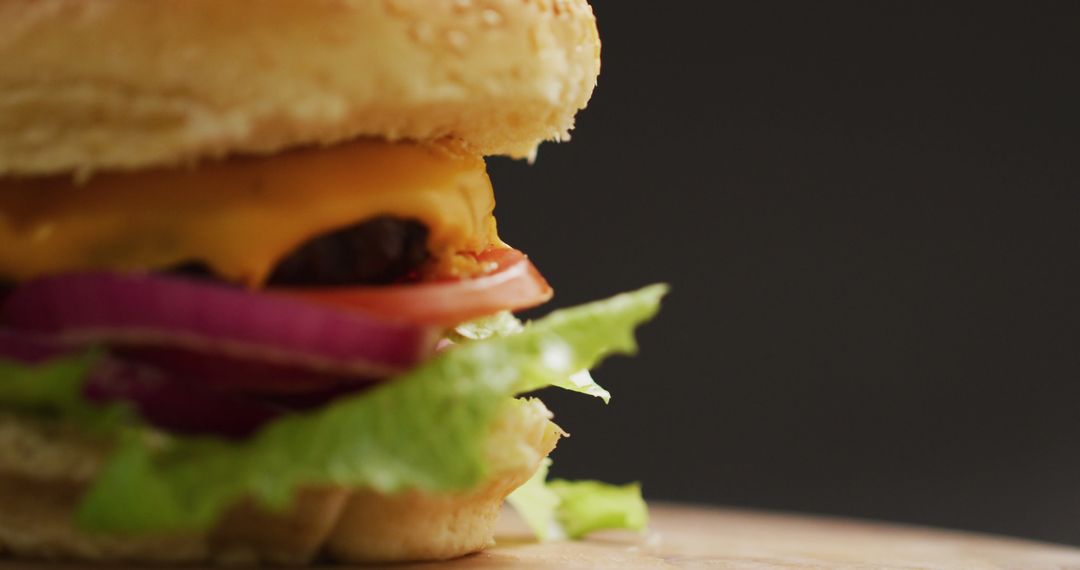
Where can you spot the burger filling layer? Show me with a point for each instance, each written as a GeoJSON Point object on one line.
{"type": "Point", "coordinates": [254, 220]}
{"type": "Point", "coordinates": [378, 251]}
{"type": "Point", "coordinates": [246, 328]}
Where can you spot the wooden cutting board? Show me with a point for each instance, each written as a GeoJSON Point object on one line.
{"type": "Point", "coordinates": [691, 537]}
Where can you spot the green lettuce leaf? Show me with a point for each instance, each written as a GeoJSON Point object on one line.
{"type": "Point", "coordinates": [506, 324]}
{"type": "Point", "coordinates": [582, 382]}
{"type": "Point", "coordinates": [500, 324]}
{"type": "Point", "coordinates": [587, 506]}
{"type": "Point", "coordinates": [538, 505]}
{"type": "Point", "coordinates": [424, 430]}
{"type": "Point", "coordinates": [53, 389]}
{"type": "Point", "coordinates": [571, 509]}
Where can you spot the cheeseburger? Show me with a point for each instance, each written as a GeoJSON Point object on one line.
{"type": "Point", "coordinates": [254, 307]}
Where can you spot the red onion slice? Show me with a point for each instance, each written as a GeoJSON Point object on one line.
{"type": "Point", "coordinates": [175, 407]}
{"type": "Point", "coordinates": [225, 373]}
{"type": "Point", "coordinates": [156, 398]}
{"type": "Point", "coordinates": [138, 311]}
{"type": "Point", "coordinates": [17, 348]}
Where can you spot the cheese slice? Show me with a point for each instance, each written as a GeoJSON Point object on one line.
{"type": "Point", "coordinates": [242, 215]}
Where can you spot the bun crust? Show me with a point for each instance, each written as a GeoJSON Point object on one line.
{"type": "Point", "coordinates": [126, 84]}
{"type": "Point", "coordinates": [342, 524]}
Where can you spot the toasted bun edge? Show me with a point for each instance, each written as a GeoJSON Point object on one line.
{"type": "Point", "coordinates": [127, 84]}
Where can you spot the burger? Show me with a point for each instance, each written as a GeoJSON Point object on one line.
{"type": "Point", "coordinates": [254, 307]}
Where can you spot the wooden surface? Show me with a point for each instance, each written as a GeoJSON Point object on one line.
{"type": "Point", "coordinates": [687, 537]}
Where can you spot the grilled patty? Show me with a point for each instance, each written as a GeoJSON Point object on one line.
{"type": "Point", "coordinates": [377, 251]}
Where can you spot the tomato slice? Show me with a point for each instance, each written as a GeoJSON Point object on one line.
{"type": "Point", "coordinates": [512, 284]}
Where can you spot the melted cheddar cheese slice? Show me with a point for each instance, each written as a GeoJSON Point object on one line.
{"type": "Point", "coordinates": [241, 216]}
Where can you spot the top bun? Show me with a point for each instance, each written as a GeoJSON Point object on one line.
{"type": "Point", "coordinates": [125, 84]}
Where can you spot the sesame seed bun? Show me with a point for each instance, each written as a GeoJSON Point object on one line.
{"type": "Point", "coordinates": [129, 84]}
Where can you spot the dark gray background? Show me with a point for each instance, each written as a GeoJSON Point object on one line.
{"type": "Point", "coordinates": [870, 215]}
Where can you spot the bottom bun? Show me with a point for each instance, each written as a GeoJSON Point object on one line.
{"type": "Point", "coordinates": [44, 471]}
